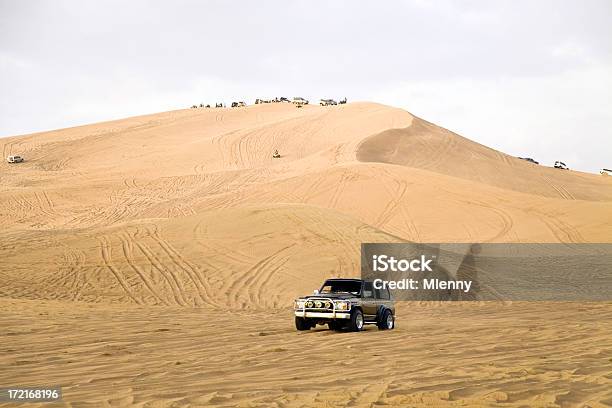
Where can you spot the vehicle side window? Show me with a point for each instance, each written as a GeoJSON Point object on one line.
{"type": "Point", "coordinates": [382, 294]}
{"type": "Point", "coordinates": [368, 290]}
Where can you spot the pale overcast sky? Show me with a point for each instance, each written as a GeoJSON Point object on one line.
{"type": "Point", "coordinates": [530, 78]}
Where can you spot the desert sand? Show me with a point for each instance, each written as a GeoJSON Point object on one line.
{"type": "Point", "coordinates": [152, 261]}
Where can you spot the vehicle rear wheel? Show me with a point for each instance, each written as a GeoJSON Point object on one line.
{"type": "Point", "coordinates": [356, 323]}
{"type": "Point", "coordinates": [302, 323]}
{"type": "Point", "coordinates": [387, 321]}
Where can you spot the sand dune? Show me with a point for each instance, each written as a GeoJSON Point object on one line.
{"type": "Point", "coordinates": [184, 218]}
{"type": "Point", "coordinates": [427, 146]}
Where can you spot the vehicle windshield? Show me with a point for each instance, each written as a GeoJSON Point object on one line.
{"type": "Point", "coordinates": [339, 286]}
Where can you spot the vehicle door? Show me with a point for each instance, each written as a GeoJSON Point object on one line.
{"type": "Point", "coordinates": [368, 301]}
{"type": "Point", "coordinates": [383, 299]}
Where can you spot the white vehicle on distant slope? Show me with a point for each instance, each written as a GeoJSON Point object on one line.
{"type": "Point", "coordinates": [299, 101]}
{"type": "Point", "coordinates": [14, 159]}
{"type": "Point", "coordinates": [328, 102]}
{"type": "Point", "coordinates": [561, 165]}
{"type": "Point", "coordinates": [605, 172]}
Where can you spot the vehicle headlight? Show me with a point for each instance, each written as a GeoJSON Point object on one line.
{"type": "Point", "coordinates": [299, 304]}
{"type": "Point", "coordinates": [342, 305]}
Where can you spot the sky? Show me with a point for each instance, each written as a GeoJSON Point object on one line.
{"type": "Point", "coordinates": [529, 78]}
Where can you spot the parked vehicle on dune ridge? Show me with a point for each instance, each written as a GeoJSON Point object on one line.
{"type": "Point", "coordinates": [328, 102]}
{"type": "Point", "coordinates": [345, 304]}
{"type": "Point", "coordinates": [299, 101]}
{"type": "Point", "coordinates": [605, 172]}
{"type": "Point", "coordinates": [14, 159]}
{"type": "Point", "coordinates": [560, 165]}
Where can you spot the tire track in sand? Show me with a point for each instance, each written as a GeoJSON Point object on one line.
{"type": "Point", "coordinates": [563, 231]}
{"type": "Point", "coordinates": [202, 286]}
{"type": "Point", "coordinates": [128, 252]}
{"type": "Point", "coordinates": [257, 275]}
{"type": "Point", "coordinates": [106, 253]}
{"type": "Point", "coordinates": [178, 291]}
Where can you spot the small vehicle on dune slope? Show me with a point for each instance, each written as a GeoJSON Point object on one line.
{"type": "Point", "coordinates": [345, 304]}
{"type": "Point", "coordinates": [560, 165]}
{"type": "Point", "coordinates": [14, 159]}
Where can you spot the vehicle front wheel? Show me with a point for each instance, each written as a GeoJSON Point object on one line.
{"type": "Point", "coordinates": [302, 323]}
{"type": "Point", "coordinates": [356, 323]}
{"type": "Point", "coordinates": [387, 321]}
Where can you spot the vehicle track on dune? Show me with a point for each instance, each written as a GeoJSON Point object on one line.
{"type": "Point", "coordinates": [328, 232]}
{"type": "Point", "coordinates": [256, 277]}
{"type": "Point", "coordinates": [560, 190]}
{"type": "Point", "coordinates": [437, 148]}
{"type": "Point", "coordinates": [6, 149]}
{"type": "Point", "coordinates": [507, 222]}
{"type": "Point", "coordinates": [45, 205]}
{"type": "Point", "coordinates": [257, 290]}
{"type": "Point", "coordinates": [69, 269]}
{"type": "Point", "coordinates": [106, 254]}
{"type": "Point", "coordinates": [35, 208]}
{"type": "Point", "coordinates": [393, 203]}
{"type": "Point", "coordinates": [563, 231]}
{"type": "Point", "coordinates": [60, 282]}
{"type": "Point", "coordinates": [232, 254]}
{"type": "Point", "coordinates": [194, 273]}
{"type": "Point", "coordinates": [397, 207]}
{"type": "Point", "coordinates": [130, 182]}
{"type": "Point", "coordinates": [128, 252]}
{"type": "Point", "coordinates": [450, 143]}
{"type": "Point", "coordinates": [314, 189]}
{"type": "Point", "coordinates": [342, 183]}
{"type": "Point", "coordinates": [173, 281]}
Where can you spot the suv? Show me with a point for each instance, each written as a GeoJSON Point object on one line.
{"type": "Point", "coordinates": [328, 102]}
{"type": "Point", "coordinates": [346, 303]}
{"type": "Point", "coordinates": [14, 159]}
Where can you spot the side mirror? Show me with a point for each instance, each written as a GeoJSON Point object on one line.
{"type": "Point", "coordinates": [315, 292]}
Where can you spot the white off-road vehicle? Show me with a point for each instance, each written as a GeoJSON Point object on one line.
{"type": "Point", "coordinates": [14, 159]}
{"type": "Point", "coordinates": [299, 101]}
